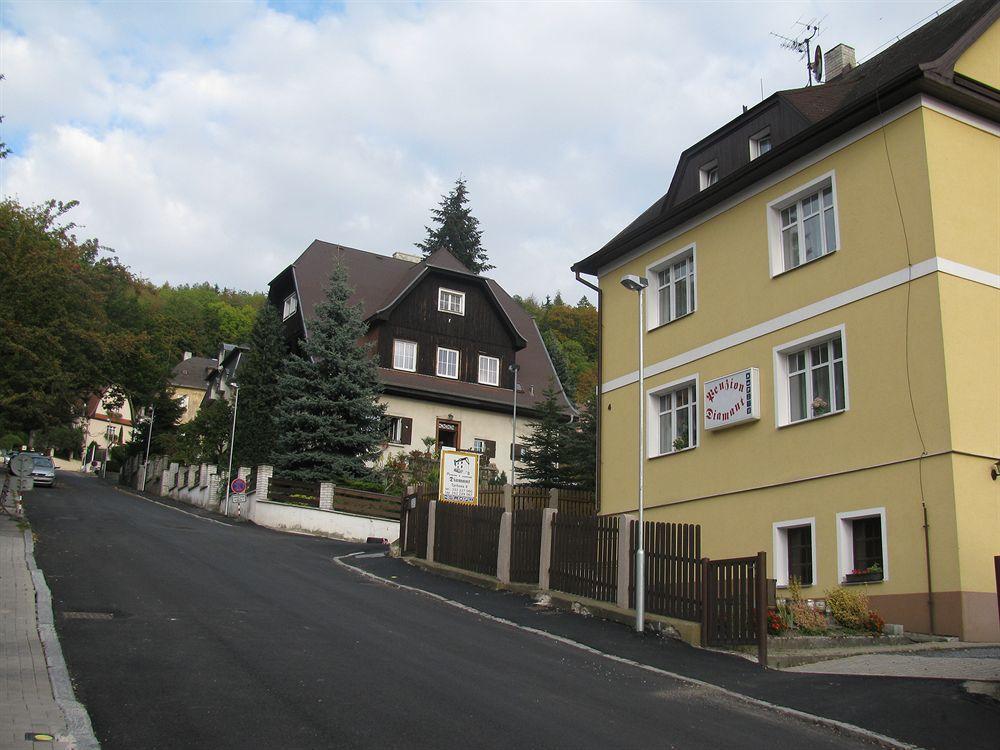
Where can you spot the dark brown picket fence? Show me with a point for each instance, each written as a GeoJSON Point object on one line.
{"type": "Point", "coordinates": [735, 594]}
{"type": "Point", "coordinates": [673, 568]}
{"type": "Point", "coordinates": [525, 545]}
{"type": "Point", "coordinates": [294, 492]}
{"type": "Point", "coordinates": [467, 537]}
{"type": "Point", "coordinates": [578, 502]}
{"type": "Point", "coordinates": [585, 556]}
{"type": "Point", "coordinates": [491, 495]}
{"type": "Point", "coordinates": [365, 503]}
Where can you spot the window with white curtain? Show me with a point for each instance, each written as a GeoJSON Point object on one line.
{"type": "Point", "coordinates": [811, 378]}
{"type": "Point", "coordinates": [447, 363]}
{"type": "Point", "coordinates": [675, 418]}
{"type": "Point", "coordinates": [450, 301]}
{"type": "Point", "coordinates": [674, 290]}
{"type": "Point", "coordinates": [803, 226]}
{"type": "Point", "coordinates": [489, 370]}
{"type": "Point", "coordinates": [404, 355]}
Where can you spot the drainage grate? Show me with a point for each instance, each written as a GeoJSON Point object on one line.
{"type": "Point", "coordinates": [88, 615]}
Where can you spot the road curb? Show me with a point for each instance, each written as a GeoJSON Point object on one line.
{"type": "Point", "coordinates": [77, 719]}
{"type": "Point", "coordinates": [860, 732]}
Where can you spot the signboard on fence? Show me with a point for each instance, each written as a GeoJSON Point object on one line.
{"type": "Point", "coordinates": [732, 399]}
{"type": "Point", "coordinates": [459, 477]}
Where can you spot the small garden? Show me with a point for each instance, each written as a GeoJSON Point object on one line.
{"type": "Point", "coordinates": [842, 612]}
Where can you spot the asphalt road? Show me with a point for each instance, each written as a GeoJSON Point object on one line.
{"type": "Point", "coordinates": [225, 636]}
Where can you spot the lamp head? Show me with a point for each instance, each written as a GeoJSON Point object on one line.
{"type": "Point", "coordinates": [635, 283]}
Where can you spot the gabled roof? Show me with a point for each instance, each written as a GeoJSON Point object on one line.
{"type": "Point", "coordinates": [193, 372]}
{"type": "Point", "coordinates": [921, 62]}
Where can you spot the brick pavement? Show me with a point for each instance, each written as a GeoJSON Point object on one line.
{"type": "Point", "coordinates": [35, 692]}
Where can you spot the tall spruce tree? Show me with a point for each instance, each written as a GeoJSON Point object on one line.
{"type": "Point", "coordinates": [457, 230]}
{"type": "Point", "coordinates": [543, 447]}
{"type": "Point", "coordinates": [256, 433]}
{"type": "Point", "coordinates": [578, 467]}
{"type": "Point", "coordinates": [329, 418]}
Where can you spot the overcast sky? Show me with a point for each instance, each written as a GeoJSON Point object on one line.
{"type": "Point", "coordinates": [214, 141]}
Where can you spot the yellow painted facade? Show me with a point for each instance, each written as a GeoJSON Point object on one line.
{"type": "Point", "coordinates": [192, 401]}
{"type": "Point", "coordinates": [913, 288]}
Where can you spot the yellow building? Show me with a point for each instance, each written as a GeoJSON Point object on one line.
{"type": "Point", "coordinates": [189, 381]}
{"type": "Point", "coordinates": [821, 370]}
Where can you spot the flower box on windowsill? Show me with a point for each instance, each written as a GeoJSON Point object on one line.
{"type": "Point", "coordinates": [863, 577]}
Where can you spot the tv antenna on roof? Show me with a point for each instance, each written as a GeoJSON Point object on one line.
{"type": "Point", "coordinates": [803, 45]}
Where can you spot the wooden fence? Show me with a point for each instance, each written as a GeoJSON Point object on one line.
{"type": "Point", "coordinates": [578, 502]}
{"type": "Point", "coordinates": [364, 503]}
{"type": "Point", "coordinates": [525, 545]}
{"type": "Point", "coordinates": [673, 568]}
{"type": "Point", "coordinates": [735, 595]}
{"type": "Point", "coordinates": [467, 537]}
{"type": "Point", "coordinates": [491, 495]}
{"type": "Point", "coordinates": [294, 492]}
{"type": "Point", "coordinates": [585, 556]}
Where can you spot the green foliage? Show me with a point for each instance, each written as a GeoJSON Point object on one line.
{"type": "Point", "coordinates": [578, 464]}
{"type": "Point", "coordinates": [62, 439]}
{"type": "Point", "coordinates": [457, 230]}
{"type": "Point", "coordinates": [212, 428]}
{"type": "Point", "coordinates": [256, 433]}
{"type": "Point", "coordinates": [849, 607]}
{"type": "Point", "coordinates": [12, 440]}
{"type": "Point", "coordinates": [543, 448]}
{"type": "Point", "coordinates": [329, 418]}
{"type": "Point", "coordinates": [809, 620]}
{"type": "Point", "coordinates": [116, 457]}
{"type": "Point", "coordinates": [167, 413]}
{"type": "Point", "coordinates": [200, 317]}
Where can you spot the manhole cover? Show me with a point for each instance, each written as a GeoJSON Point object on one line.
{"type": "Point", "coordinates": [88, 615]}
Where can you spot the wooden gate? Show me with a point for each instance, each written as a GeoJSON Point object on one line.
{"type": "Point", "coordinates": [673, 569]}
{"type": "Point", "coordinates": [585, 556]}
{"type": "Point", "coordinates": [413, 525]}
{"type": "Point", "coordinates": [525, 543]}
{"type": "Point", "coordinates": [467, 537]}
{"type": "Point", "coordinates": [736, 603]}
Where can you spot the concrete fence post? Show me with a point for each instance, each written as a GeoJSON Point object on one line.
{"type": "Point", "coordinates": [203, 475]}
{"type": "Point", "coordinates": [326, 493]}
{"type": "Point", "coordinates": [625, 560]}
{"type": "Point", "coordinates": [554, 498]}
{"type": "Point", "coordinates": [431, 518]}
{"type": "Point", "coordinates": [508, 498]}
{"type": "Point", "coordinates": [243, 472]}
{"type": "Point", "coordinates": [167, 478]}
{"type": "Point", "coordinates": [504, 547]}
{"type": "Point", "coordinates": [264, 474]}
{"type": "Point", "coordinates": [545, 551]}
{"type": "Point", "coordinates": [214, 489]}
{"type": "Point", "coordinates": [140, 478]}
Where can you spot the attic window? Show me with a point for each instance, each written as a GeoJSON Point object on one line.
{"type": "Point", "coordinates": [709, 174]}
{"type": "Point", "coordinates": [760, 143]}
{"type": "Point", "coordinates": [450, 301]}
{"type": "Point", "coordinates": [291, 305]}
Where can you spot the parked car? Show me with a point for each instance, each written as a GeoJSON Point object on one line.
{"type": "Point", "coordinates": [44, 472]}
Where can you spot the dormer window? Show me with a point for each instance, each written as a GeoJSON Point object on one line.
{"type": "Point", "coordinates": [290, 306]}
{"type": "Point", "coordinates": [450, 301]}
{"type": "Point", "coordinates": [760, 143]}
{"type": "Point", "coordinates": [709, 174]}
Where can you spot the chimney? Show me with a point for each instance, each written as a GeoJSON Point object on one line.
{"type": "Point", "coordinates": [408, 257]}
{"type": "Point", "coordinates": [187, 355]}
{"type": "Point", "coordinates": [838, 61]}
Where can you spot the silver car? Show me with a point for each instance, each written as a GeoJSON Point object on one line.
{"type": "Point", "coordinates": [43, 474]}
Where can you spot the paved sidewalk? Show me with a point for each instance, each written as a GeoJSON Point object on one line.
{"type": "Point", "coordinates": [980, 663]}
{"type": "Point", "coordinates": [31, 702]}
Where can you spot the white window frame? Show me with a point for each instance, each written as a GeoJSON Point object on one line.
{"type": "Point", "coordinates": [396, 353]}
{"type": "Point", "coordinates": [653, 415]}
{"type": "Point", "coordinates": [774, 208]}
{"type": "Point", "coordinates": [395, 430]}
{"type": "Point", "coordinates": [780, 533]}
{"type": "Point", "coordinates": [653, 291]}
{"type": "Point", "coordinates": [755, 140]}
{"type": "Point", "coordinates": [495, 359]}
{"type": "Point", "coordinates": [290, 306]}
{"type": "Point", "coordinates": [845, 541]}
{"type": "Point", "coordinates": [479, 445]}
{"type": "Point", "coordinates": [705, 174]}
{"type": "Point", "coordinates": [438, 361]}
{"type": "Point", "coordinates": [445, 309]}
{"type": "Point", "coordinates": [782, 411]}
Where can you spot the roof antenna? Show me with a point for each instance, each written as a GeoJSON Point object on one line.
{"type": "Point", "coordinates": [803, 45]}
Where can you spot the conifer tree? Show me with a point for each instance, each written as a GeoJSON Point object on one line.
{"type": "Point", "coordinates": [457, 230]}
{"type": "Point", "coordinates": [256, 433]}
{"type": "Point", "coordinates": [329, 418]}
{"type": "Point", "coordinates": [543, 448]}
{"type": "Point", "coordinates": [579, 457]}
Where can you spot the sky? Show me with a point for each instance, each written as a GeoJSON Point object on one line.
{"type": "Point", "coordinates": [213, 141]}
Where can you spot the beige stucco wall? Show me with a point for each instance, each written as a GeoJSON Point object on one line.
{"type": "Point", "coordinates": [194, 397]}
{"type": "Point", "coordinates": [982, 60]}
{"type": "Point", "coordinates": [95, 428]}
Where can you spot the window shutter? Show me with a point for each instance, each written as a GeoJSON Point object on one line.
{"type": "Point", "coordinates": [491, 449]}
{"type": "Point", "coordinates": [406, 432]}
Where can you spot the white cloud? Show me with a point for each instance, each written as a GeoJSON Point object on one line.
{"type": "Point", "coordinates": [214, 141]}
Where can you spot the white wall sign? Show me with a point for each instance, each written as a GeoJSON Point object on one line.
{"type": "Point", "coordinates": [459, 478]}
{"type": "Point", "coordinates": [732, 399]}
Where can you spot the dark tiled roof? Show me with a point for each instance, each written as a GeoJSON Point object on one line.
{"type": "Point", "coordinates": [193, 372]}
{"type": "Point", "coordinates": [822, 112]}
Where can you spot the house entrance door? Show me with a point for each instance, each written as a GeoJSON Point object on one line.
{"type": "Point", "coordinates": [449, 434]}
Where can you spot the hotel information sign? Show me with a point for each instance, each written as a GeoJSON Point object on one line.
{"type": "Point", "coordinates": [459, 477]}
{"type": "Point", "coordinates": [732, 399]}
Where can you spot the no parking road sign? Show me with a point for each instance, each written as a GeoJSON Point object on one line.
{"type": "Point", "coordinates": [238, 486]}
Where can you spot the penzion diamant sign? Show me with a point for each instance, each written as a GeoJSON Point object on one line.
{"type": "Point", "coordinates": [732, 399]}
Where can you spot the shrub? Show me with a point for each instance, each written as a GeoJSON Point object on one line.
{"type": "Point", "coordinates": [849, 607]}
{"type": "Point", "coordinates": [794, 589]}
{"type": "Point", "coordinates": [875, 623]}
{"type": "Point", "coordinates": [808, 619]}
{"type": "Point", "coordinates": [776, 624]}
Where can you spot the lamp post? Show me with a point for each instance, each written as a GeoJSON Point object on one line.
{"type": "Point", "coordinates": [513, 440]}
{"type": "Point", "coordinates": [232, 439]}
{"type": "Point", "coordinates": [639, 284]}
{"type": "Point", "coordinates": [149, 437]}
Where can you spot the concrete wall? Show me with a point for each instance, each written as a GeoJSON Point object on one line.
{"type": "Point", "coordinates": [321, 522]}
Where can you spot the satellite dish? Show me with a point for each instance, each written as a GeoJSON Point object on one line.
{"type": "Point", "coordinates": [818, 64]}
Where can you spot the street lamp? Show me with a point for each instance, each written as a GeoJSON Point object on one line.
{"type": "Point", "coordinates": [638, 284]}
{"type": "Point", "coordinates": [513, 441]}
{"type": "Point", "coordinates": [149, 437]}
{"type": "Point", "coordinates": [232, 439]}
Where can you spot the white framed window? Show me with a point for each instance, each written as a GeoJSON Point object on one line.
{"type": "Point", "coordinates": [450, 301]}
{"type": "Point", "coordinates": [708, 174]}
{"type": "Point", "coordinates": [447, 363]}
{"type": "Point", "coordinates": [673, 287]}
{"type": "Point", "coordinates": [862, 546]}
{"type": "Point", "coordinates": [183, 401]}
{"type": "Point", "coordinates": [760, 143]}
{"type": "Point", "coordinates": [795, 551]}
{"type": "Point", "coordinates": [290, 306]}
{"type": "Point", "coordinates": [811, 377]}
{"type": "Point", "coordinates": [394, 429]}
{"type": "Point", "coordinates": [479, 445]}
{"type": "Point", "coordinates": [673, 417]}
{"type": "Point", "coordinates": [404, 355]}
{"type": "Point", "coordinates": [489, 370]}
{"type": "Point", "coordinates": [803, 225]}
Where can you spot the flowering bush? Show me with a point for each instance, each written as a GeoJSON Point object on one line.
{"type": "Point", "coordinates": [875, 622]}
{"type": "Point", "coordinates": [776, 624]}
{"type": "Point", "coordinates": [808, 619]}
{"type": "Point", "coordinates": [850, 607]}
